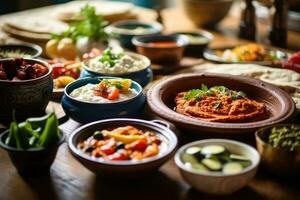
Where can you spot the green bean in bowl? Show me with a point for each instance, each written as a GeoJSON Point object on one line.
{"type": "Point", "coordinates": [279, 147]}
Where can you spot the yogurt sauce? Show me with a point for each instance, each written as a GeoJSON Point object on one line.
{"type": "Point", "coordinates": [86, 93]}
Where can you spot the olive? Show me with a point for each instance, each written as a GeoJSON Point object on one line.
{"type": "Point", "coordinates": [98, 135]}
{"type": "Point", "coordinates": [9, 68]}
{"type": "Point", "coordinates": [120, 145]}
{"type": "Point", "coordinates": [89, 149]}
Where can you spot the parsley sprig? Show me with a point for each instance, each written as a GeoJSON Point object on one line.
{"type": "Point", "coordinates": [90, 25]}
{"type": "Point", "coordinates": [198, 94]}
{"type": "Point", "coordinates": [110, 57]}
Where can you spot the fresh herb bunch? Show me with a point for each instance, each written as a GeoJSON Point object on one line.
{"type": "Point", "coordinates": [110, 57]}
{"type": "Point", "coordinates": [90, 25]}
{"type": "Point", "coordinates": [287, 137]}
{"type": "Point", "coordinates": [198, 94]}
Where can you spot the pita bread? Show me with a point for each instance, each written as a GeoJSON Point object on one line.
{"type": "Point", "coordinates": [109, 10]}
{"type": "Point", "coordinates": [37, 25]}
{"type": "Point", "coordinates": [287, 80]}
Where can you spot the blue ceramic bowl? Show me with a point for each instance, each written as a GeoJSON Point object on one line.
{"type": "Point", "coordinates": [123, 30]}
{"type": "Point", "coordinates": [84, 112]}
{"type": "Point", "coordinates": [143, 76]}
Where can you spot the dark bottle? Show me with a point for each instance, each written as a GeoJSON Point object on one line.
{"type": "Point", "coordinates": [278, 34]}
{"type": "Point", "coordinates": [248, 21]}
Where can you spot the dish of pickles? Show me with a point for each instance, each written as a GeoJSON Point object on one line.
{"type": "Point", "coordinates": [214, 159]}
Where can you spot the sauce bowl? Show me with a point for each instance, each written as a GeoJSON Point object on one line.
{"type": "Point", "coordinates": [83, 112]}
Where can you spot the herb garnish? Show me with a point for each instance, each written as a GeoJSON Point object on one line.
{"type": "Point", "coordinates": [110, 57]}
{"type": "Point", "coordinates": [91, 25]}
{"type": "Point", "coordinates": [198, 94]}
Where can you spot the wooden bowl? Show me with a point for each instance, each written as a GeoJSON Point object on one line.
{"type": "Point", "coordinates": [206, 13]}
{"type": "Point", "coordinates": [161, 101]}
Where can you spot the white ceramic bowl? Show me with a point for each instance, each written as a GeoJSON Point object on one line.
{"type": "Point", "coordinates": [219, 184]}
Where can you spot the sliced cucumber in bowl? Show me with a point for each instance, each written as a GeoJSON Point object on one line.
{"type": "Point", "coordinates": [232, 168]}
{"type": "Point", "coordinates": [211, 164]}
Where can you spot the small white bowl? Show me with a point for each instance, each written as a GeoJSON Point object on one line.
{"type": "Point", "coordinates": [217, 183]}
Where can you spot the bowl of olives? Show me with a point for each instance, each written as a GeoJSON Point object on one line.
{"type": "Point", "coordinates": [25, 87]}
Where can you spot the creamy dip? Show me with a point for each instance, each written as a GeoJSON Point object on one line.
{"type": "Point", "coordinates": [125, 64]}
{"type": "Point", "coordinates": [86, 93]}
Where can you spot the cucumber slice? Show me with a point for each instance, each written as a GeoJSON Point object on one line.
{"type": "Point", "coordinates": [187, 158]}
{"type": "Point", "coordinates": [232, 168]}
{"type": "Point", "coordinates": [238, 157]}
{"type": "Point", "coordinates": [213, 165]}
{"type": "Point", "coordinates": [213, 150]}
{"type": "Point", "coordinates": [192, 150]}
{"type": "Point", "coordinates": [199, 168]}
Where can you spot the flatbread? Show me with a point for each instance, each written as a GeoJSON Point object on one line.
{"type": "Point", "coordinates": [287, 80]}
{"type": "Point", "coordinates": [109, 10]}
{"type": "Point", "coordinates": [36, 25]}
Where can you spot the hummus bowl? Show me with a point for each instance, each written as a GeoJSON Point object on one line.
{"type": "Point", "coordinates": [85, 108]}
{"type": "Point", "coordinates": [161, 99]}
{"type": "Point", "coordinates": [141, 72]}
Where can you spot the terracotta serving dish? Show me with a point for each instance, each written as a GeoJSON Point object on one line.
{"type": "Point", "coordinates": [161, 101]}
{"type": "Point", "coordinates": [161, 54]}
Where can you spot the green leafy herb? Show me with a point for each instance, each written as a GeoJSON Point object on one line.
{"type": "Point", "coordinates": [198, 94]}
{"type": "Point", "coordinates": [110, 57]}
{"type": "Point", "coordinates": [90, 25]}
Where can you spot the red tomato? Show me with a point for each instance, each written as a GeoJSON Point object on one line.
{"type": "Point", "coordinates": [58, 70]}
{"type": "Point", "coordinates": [107, 149]}
{"type": "Point", "coordinates": [119, 155]}
{"type": "Point", "coordinates": [73, 72]}
{"type": "Point", "coordinates": [114, 94]}
{"type": "Point", "coordinates": [139, 145]}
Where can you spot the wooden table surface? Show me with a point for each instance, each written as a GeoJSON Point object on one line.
{"type": "Point", "coordinates": [68, 179]}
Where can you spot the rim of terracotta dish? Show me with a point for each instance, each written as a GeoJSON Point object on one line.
{"type": "Point", "coordinates": [147, 61]}
{"type": "Point", "coordinates": [33, 60]}
{"type": "Point", "coordinates": [247, 147]}
{"type": "Point", "coordinates": [161, 109]}
{"type": "Point", "coordinates": [140, 92]}
{"type": "Point", "coordinates": [171, 146]}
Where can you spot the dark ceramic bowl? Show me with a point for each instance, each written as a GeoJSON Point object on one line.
{"type": "Point", "coordinates": [143, 76]}
{"type": "Point", "coordinates": [31, 50]}
{"type": "Point", "coordinates": [26, 97]}
{"type": "Point", "coordinates": [275, 160]}
{"type": "Point", "coordinates": [158, 54]}
{"type": "Point", "coordinates": [33, 161]}
{"type": "Point", "coordinates": [161, 97]}
{"type": "Point", "coordinates": [119, 29]}
{"type": "Point", "coordinates": [196, 49]}
{"type": "Point", "coordinates": [123, 169]}
{"type": "Point", "coordinates": [84, 112]}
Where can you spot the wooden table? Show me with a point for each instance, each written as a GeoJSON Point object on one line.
{"type": "Point", "coordinates": [68, 179]}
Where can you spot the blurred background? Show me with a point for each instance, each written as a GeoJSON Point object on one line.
{"type": "Point", "coordinates": [17, 5]}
